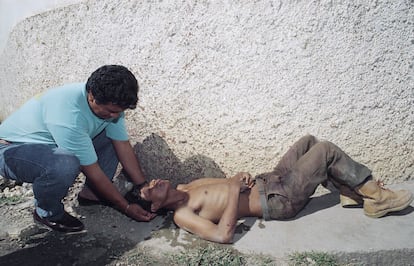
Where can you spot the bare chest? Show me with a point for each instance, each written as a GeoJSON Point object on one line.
{"type": "Point", "coordinates": [209, 201]}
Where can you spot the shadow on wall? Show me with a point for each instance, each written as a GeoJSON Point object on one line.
{"type": "Point", "coordinates": [158, 161]}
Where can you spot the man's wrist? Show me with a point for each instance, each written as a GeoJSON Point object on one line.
{"type": "Point", "coordinates": [126, 209]}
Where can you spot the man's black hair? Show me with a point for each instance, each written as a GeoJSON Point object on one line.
{"type": "Point", "coordinates": [133, 196]}
{"type": "Point", "coordinates": [114, 84]}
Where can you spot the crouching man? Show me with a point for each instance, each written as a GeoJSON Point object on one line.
{"type": "Point", "coordinates": [73, 128]}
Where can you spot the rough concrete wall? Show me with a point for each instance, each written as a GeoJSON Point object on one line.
{"type": "Point", "coordinates": [227, 86]}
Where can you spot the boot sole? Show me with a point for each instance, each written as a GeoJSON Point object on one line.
{"type": "Point", "coordinates": [395, 209]}
{"type": "Point", "coordinates": [349, 202]}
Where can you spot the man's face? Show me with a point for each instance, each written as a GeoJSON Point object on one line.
{"type": "Point", "coordinates": [156, 192]}
{"type": "Point", "coordinates": [104, 111]}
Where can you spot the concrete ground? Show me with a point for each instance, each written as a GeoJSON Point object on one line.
{"type": "Point", "coordinates": [323, 226]}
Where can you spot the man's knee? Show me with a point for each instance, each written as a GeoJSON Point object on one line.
{"type": "Point", "coordinates": [66, 167]}
{"type": "Point", "coordinates": [323, 145]}
{"type": "Point", "coordinates": [310, 138]}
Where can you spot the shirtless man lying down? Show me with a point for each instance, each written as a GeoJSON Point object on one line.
{"type": "Point", "coordinates": [210, 207]}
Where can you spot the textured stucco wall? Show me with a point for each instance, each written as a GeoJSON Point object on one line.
{"type": "Point", "coordinates": [13, 11]}
{"type": "Point", "coordinates": [227, 86]}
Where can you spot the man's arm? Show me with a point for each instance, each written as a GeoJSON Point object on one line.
{"type": "Point", "coordinates": [109, 192]}
{"type": "Point", "coordinates": [129, 161]}
{"type": "Point", "coordinates": [222, 232]}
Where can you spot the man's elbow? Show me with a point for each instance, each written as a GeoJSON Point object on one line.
{"type": "Point", "coordinates": [222, 238]}
{"type": "Point", "coordinates": [227, 240]}
{"type": "Point", "coordinates": [227, 237]}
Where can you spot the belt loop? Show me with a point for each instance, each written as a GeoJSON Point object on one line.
{"type": "Point", "coordinates": [263, 198]}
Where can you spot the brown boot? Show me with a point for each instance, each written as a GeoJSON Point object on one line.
{"type": "Point", "coordinates": [349, 198]}
{"type": "Point", "coordinates": [378, 201]}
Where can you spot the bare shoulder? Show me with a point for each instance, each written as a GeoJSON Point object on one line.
{"type": "Point", "coordinates": [182, 215]}
{"type": "Point", "coordinates": [182, 187]}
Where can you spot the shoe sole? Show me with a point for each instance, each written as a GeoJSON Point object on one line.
{"type": "Point", "coordinates": [349, 202]}
{"type": "Point", "coordinates": [43, 225]}
{"type": "Point", "coordinates": [395, 209]}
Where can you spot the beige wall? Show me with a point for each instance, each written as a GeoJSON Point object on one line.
{"type": "Point", "coordinates": [226, 86]}
{"type": "Point", "coordinates": [14, 11]}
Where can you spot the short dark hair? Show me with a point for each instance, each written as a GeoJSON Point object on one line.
{"type": "Point", "coordinates": [114, 84]}
{"type": "Point", "coordinates": [134, 196]}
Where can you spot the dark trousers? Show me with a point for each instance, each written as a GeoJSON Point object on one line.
{"type": "Point", "coordinates": [51, 170]}
{"type": "Point", "coordinates": [309, 162]}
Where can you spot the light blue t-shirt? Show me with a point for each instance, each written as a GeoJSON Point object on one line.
{"type": "Point", "coordinates": [63, 118]}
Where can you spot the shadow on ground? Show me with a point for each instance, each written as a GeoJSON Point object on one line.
{"type": "Point", "coordinates": [51, 248]}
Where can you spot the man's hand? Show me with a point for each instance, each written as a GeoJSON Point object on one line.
{"type": "Point", "coordinates": [245, 179]}
{"type": "Point", "coordinates": [136, 212]}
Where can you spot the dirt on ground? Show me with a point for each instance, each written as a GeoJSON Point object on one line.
{"type": "Point", "coordinates": [108, 237]}
{"type": "Point", "coordinates": [111, 238]}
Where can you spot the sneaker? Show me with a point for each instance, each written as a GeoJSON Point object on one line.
{"type": "Point", "coordinates": [66, 224]}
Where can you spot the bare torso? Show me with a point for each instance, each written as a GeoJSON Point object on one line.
{"type": "Point", "coordinates": [208, 198]}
